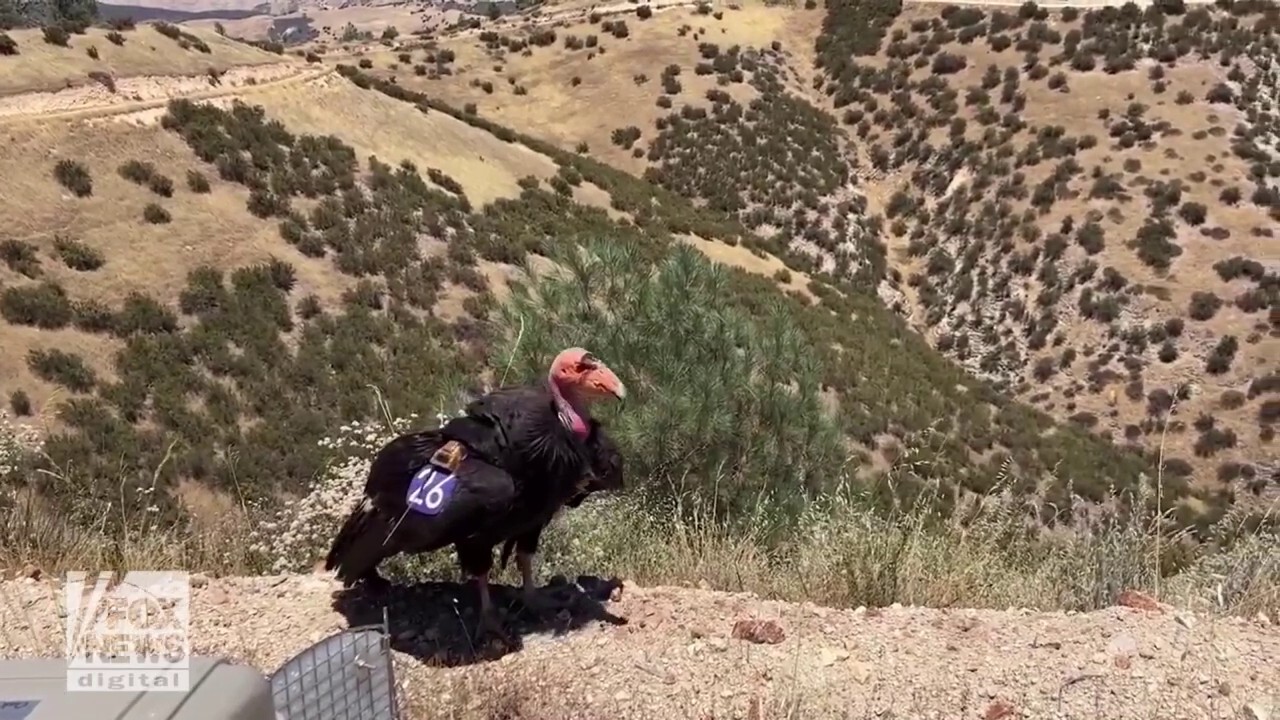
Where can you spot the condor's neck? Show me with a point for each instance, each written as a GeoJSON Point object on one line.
{"type": "Point", "coordinates": [573, 411]}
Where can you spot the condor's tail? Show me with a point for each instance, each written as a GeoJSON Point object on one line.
{"type": "Point", "coordinates": [360, 544]}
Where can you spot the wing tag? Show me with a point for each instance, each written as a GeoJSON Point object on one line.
{"type": "Point", "coordinates": [432, 486]}
{"type": "Point", "coordinates": [430, 490]}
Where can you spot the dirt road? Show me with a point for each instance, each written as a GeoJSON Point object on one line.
{"type": "Point", "coordinates": [149, 92]}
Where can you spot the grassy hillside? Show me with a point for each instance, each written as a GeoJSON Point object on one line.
{"type": "Point", "coordinates": [1082, 208]}
{"type": "Point", "coordinates": [1079, 216]}
{"type": "Point", "coordinates": [198, 307]}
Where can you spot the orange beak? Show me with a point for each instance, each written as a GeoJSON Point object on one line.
{"type": "Point", "coordinates": [600, 381]}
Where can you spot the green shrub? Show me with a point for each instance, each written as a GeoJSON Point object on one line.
{"type": "Point", "coordinates": [20, 403]}
{"type": "Point", "coordinates": [45, 305]}
{"type": "Point", "coordinates": [197, 182]}
{"type": "Point", "coordinates": [56, 35]}
{"type": "Point", "coordinates": [21, 257]}
{"type": "Point", "coordinates": [161, 185]}
{"type": "Point", "coordinates": [62, 368]}
{"type": "Point", "coordinates": [74, 177]}
{"type": "Point", "coordinates": [137, 171]}
{"type": "Point", "coordinates": [155, 214]}
{"type": "Point", "coordinates": [78, 256]}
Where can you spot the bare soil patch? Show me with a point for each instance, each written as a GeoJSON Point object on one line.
{"type": "Point", "coordinates": [695, 653]}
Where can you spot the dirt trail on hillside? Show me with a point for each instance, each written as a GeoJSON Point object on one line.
{"type": "Point", "coordinates": [685, 653]}
{"type": "Point", "coordinates": [148, 92]}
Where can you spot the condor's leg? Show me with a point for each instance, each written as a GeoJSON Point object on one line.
{"type": "Point", "coordinates": [526, 551]}
{"type": "Point", "coordinates": [476, 561]}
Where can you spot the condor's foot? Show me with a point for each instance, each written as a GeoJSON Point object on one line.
{"type": "Point", "coordinates": [539, 603]}
{"type": "Point", "coordinates": [490, 624]}
{"type": "Point", "coordinates": [491, 627]}
{"type": "Point", "coordinates": [374, 584]}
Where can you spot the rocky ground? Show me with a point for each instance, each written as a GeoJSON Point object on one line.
{"type": "Point", "coordinates": [678, 652]}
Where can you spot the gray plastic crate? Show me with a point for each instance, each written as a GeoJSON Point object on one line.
{"type": "Point", "coordinates": [346, 676]}
{"type": "Point", "coordinates": [37, 690]}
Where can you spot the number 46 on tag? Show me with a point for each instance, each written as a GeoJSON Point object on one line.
{"type": "Point", "coordinates": [430, 489]}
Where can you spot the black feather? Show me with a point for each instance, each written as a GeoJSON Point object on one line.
{"type": "Point", "coordinates": [605, 474]}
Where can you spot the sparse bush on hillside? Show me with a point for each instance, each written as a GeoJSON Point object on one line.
{"type": "Point", "coordinates": [45, 305]}
{"type": "Point", "coordinates": [155, 214]}
{"type": "Point", "coordinates": [626, 137]}
{"type": "Point", "coordinates": [1155, 245]}
{"type": "Point", "coordinates": [1193, 213]}
{"type": "Point", "coordinates": [20, 256]}
{"type": "Point", "coordinates": [56, 35]}
{"type": "Point", "coordinates": [103, 78]}
{"type": "Point", "coordinates": [8, 46]}
{"type": "Point", "coordinates": [78, 256]}
{"type": "Point", "coordinates": [170, 31]}
{"type": "Point", "coordinates": [197, 182]}
{"type": "Point", "coordinates": [1223, 353]}
{"type": "Point", "coordinates": [1220, 93]}
{"type": "Point", "coordinates": [948, 64]}
{"type": "Point", "coordinates": [20, 403]}
{"type": "Point", "coordinates": [115, 38]}
{"type": "Point", "coordinates": [74, 177]}
{"type": "Point", "coordinates": [187, 41]}
{"type": "Point", "coordinates": [1204, 305]}
{"type": "Point", "coordinates": [144, 173]}
{"type": "Point", "coordinates": [1091, 237]}
{"type": "Point", "coordinates": [141, 314]}
{"type": "Point", "coordinates": [92, 316]}
{"type": "Point", "coordinates": [65, 369]}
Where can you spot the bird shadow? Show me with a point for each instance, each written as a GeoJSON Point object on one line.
{"type": "Point", "coordinates": [436, 622]}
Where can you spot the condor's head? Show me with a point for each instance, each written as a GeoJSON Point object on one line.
{"type": "Point", "coordinates": [577, 379]}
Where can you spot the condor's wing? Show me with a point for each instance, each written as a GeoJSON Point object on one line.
{"type": "Point", "coordinates": [436, 507]}
{"type": "Point", "coordinates": [520, 428]}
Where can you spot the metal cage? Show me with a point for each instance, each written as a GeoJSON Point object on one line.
{"type": "Point", "coordinates": [347, 676]}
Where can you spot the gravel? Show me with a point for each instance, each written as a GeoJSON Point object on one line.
{"type": "Point", "coordinates": [678, 652]}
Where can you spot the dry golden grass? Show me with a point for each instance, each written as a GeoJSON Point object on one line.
{"type": "Point", "coordinates": [40, 66]}
{"type": "Point", "coordinates": [487, 167]}
{"type": "Point", "coordinates": [762, 264]}
{"type": "Point", "coordinates": [843, 553]}
{"type": "Point", "coordinates": [608, 97]}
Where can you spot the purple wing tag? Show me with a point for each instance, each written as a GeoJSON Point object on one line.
{"type": "Point", "coordinates": [430, 490]}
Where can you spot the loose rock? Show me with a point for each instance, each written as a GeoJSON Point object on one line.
{"type": "Point", "coordinates": [759, 631]}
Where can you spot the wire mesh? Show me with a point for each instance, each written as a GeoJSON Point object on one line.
{"type": "Point", "coordinates": [347, 676]}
